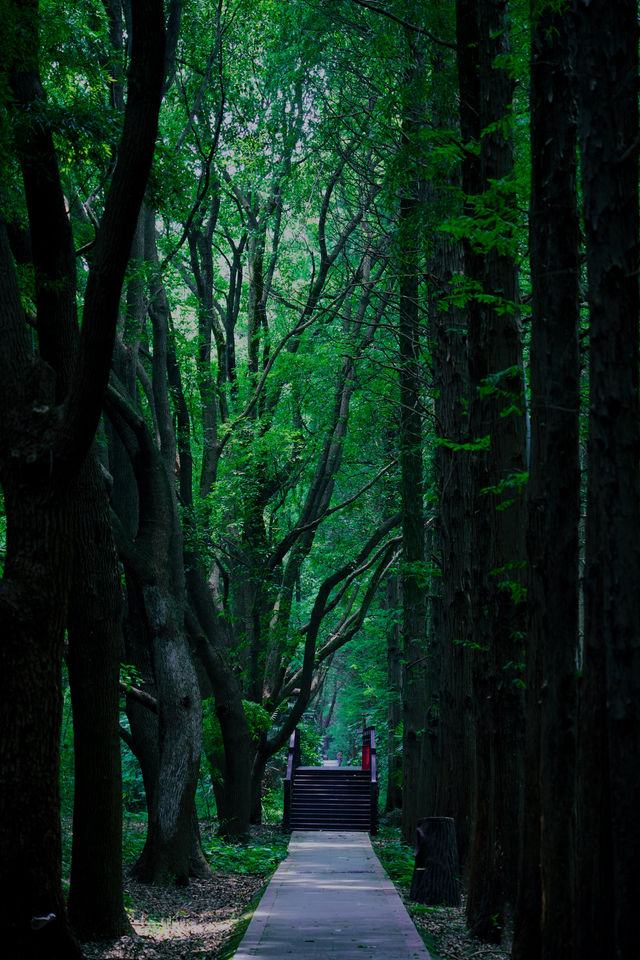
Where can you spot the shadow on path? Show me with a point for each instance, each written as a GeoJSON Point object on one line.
{"type": "Point", "coordinates": [331, 898]}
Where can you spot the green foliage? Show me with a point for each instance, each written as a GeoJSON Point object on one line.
{"type": "Point", "coordinates": [134, 832]}
{"type": "Point", "coordinates": [397, 858]}
{"type": "Point", "coordinates": [67, 772]}
{"type": "Point", "coordinates": [246, 856]}
{"type": "Point", "coordinates": [483, 443]}
{"type": "Point", "coordinates": [258, 721]}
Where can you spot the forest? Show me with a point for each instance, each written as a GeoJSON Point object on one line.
{"type": "Point", "coordinates": [319, 402]}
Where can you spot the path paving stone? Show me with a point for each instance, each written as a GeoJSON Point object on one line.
{"type": "Point", "coordinates": [330, 898]}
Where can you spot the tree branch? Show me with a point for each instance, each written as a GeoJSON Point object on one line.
{"type": "Point", "coordinates": [414, 28]}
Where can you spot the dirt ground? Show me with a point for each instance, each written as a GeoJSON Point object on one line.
{"type": "Point", "coordinates": [181, 923]}
{"type": "Point", "coordinates": [198, 922]}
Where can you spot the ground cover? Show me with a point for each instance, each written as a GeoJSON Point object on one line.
{"type": "Point", "coordinates": [201, 921]}
{"type": "Point", "coordinates": [443, 929]}
{"type": "Point", "coordinates": [206, 920]}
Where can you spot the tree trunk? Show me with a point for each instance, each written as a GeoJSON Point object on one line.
{"type": "Point", "coordinates": [413, 573]}
{"type": "Point", "coordinates": [33, 599]}
{"type": "Point", "coordinates": [167, 852]}
{"type": "Point", "coordinates": [205, 627]}
{"type": "Point", "coordinates": [49, 411]}
{"type": "Point", "coordinates": [545, 923]}
{"type": "Point", "coordinates": [453, 483]}
{"type": "Point", "coordinates": [257, 780]}
{"type": "Point", "coordinates": [436, 877]}
{"type": "Point", "coordinates": [96, 907]}
{"type": "Point", "coordinates": [608, 881]}
{"type": "Point", "coordinates": [394, 709]}
{"type": "Point", "coordinates": [497, 427]}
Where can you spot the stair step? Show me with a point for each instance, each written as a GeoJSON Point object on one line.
{"type": "Point", "coordinates": [330, 798]}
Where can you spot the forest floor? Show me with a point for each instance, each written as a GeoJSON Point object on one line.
{"type": "Point", "coordinates": [443, 929]}
{"type": "Point", "coordinates": [206, 920]}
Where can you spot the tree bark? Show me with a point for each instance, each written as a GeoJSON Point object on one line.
{"type": "Point", "coordinates": [49, 411]}
{"type": "Point", "coordinates": [497, 427]}
{"type": "Point", "coordinates": [609, 698]}
{"type": "Point", "coordinates": [96, 906]}
{"type": "Point", "coordinates": [436, 877]}
{"type": "Point", "coordinates": [545, 923]}
{"type": "Point", "coordinates": [413, 571]}
{"type": "Point", "coordinates": [155, 576]}
{"type": "Point", "coordinates": [394, 710]}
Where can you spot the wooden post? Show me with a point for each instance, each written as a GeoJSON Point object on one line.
{"type": "Point", "coordinates": [436, 872]}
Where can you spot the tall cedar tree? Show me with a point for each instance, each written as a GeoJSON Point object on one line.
{"type": "Point", "coordinates": [448, 323]}
{"type": "Point", "coordinates": [608, 882]}
{"type": "Point", "coordinates": [497, 423]}
{"type": "Point", "coordinates": [50, 404]}
{"type": "Point", "coordinates": [414, 603]}
{"type": "Point", "coordinates": [553, 501]}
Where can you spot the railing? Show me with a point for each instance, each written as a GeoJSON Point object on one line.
{"type": "Point", "coordinates": [293, 762]}
{"type": "Point", "coordinates": [369, 763]}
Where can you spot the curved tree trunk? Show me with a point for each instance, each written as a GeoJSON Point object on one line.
{"type": "Point", "coordinates": [235, 791]}
{"type": "Point", "coordinates": [168, 848]}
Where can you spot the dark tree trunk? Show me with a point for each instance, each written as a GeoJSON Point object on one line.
{"type": "Point", "coordinates": [453, 483]}
{"type": "Point", "coordinates": [234, 799]}
{"type": "Point", "coordinates": [49, 411]}
{"type": "Point", "coordinates": [32, 607]}
{"type": "Point", "coordinates": [257, 781]}
{"type": "Point", "coordinates": [394, 710]}
{"type": "Point", "coordinates": [447, 327]}
{"type": "Point", "coordinates": [155, 578]}
{"type": "Point", "coordinates": [413, 573]}
{"type": "Point", "coordinates": [547, 875]}
{"type": "Point", "coordinates": [96, 907]}
{"type": "Point", "coordinates": [608, 881]}
{"type": "Point", "coordinates": [168, 849]}
{"type": "Point", "coordinates": [449, 352]}
{"type": "Point", "coordinates": [497, 425]}
{"type": "Point", "coordinates": [436, 874]}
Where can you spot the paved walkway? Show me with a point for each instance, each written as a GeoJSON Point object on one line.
{"type": "Point", "coordinates": [331, 898]}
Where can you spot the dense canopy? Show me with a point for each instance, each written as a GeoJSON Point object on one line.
{"type": "Point", "coordinates": [319, 408]}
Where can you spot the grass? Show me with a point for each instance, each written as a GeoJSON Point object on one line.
{"type": "Point", "coordinates": [395, 856]}
{"type": "Point", "coordinates": [246, 856]}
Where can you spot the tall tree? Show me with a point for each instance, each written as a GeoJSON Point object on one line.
{"type": "Point", "coordinates": [50, 405]}
{"type": "Point", "coordinates": [546, 918]}
{"type": "Point", "coordinates": [413, 572]}
{"type": "Point", "coordinates": [497, 427]}
{"type": "Point", "coordinates": [609, 698]}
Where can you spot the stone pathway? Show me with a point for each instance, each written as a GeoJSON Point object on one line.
{"type": "Point", "coordinates": [330, 898]}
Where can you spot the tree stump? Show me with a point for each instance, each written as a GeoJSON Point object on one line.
{"type": "Point", "coordinates": [436, 873]}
